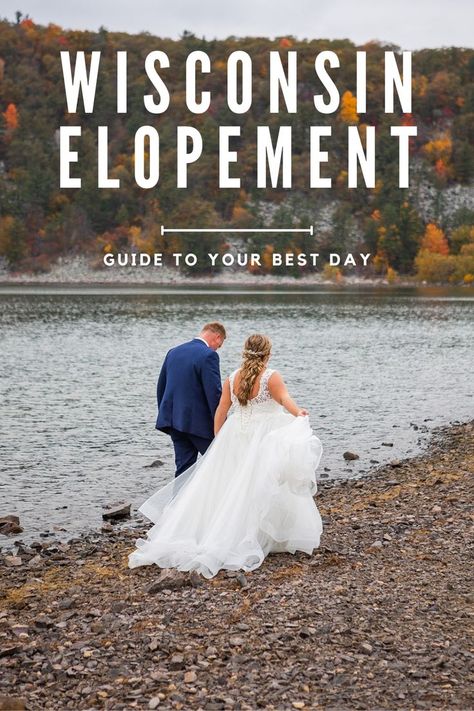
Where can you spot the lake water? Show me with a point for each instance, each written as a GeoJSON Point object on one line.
{"type": "Point", "coordinates": [79, 369]}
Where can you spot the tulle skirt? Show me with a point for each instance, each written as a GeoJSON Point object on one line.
{"type": "Point", "coordinates": [249, 495]}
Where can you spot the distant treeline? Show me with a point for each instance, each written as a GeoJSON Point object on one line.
{"type": "Point", "coordinates": [39, 222]}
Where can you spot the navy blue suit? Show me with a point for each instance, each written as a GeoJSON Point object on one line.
{"type": "Point", "coordinates": [188, 392]}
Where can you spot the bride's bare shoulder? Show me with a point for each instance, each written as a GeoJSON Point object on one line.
{"type": "Point", "coordinates": [275, 381]}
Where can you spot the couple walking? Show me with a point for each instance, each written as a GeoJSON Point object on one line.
{"type": "Point", "coordinates": [251, 491]}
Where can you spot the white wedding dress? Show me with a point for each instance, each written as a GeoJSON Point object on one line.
{"type": "Point", "coordinates": [249, 495]}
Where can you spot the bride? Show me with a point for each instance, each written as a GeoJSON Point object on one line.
{"type": "Point", "coordinates": [251, 493]}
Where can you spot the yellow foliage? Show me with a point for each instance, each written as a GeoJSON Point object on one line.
{"type": "Point", "coordinates": [462, 236]}
{"type": "Point", "coordinates": [380, 262]}
{"type": "Point", "coordinates": [348, 112]}
{"type": "Point", "coordinates": [341, 179]}
{"type": "Point", "coordinates": [433, 266]}
{"type": "Point", "coordinates": [142, 242]}
{"type": "Point", "coordinates": [332, 273]}
{"type": "Point", "coordinates": [420, 85]}
{"type": "Point", "coordinates": [391, 275]}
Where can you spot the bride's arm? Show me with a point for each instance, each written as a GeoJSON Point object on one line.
{"type": "Point", "coordinates": [279, 392]}
{"type": "Point", "coordinates": [223, 407]}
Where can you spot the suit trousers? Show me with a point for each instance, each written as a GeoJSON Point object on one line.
{"type": "Point", "coordinates": [186, 449]}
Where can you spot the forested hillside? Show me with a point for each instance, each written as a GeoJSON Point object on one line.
{"type": "Point", "coordinates": [39, 222]}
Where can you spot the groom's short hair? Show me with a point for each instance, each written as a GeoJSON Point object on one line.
{"type": "Point", "coordinates": [215, 327]}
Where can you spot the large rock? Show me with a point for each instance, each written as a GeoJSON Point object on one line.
{"type": "Point", "coordinates": [117, 510]}
{"type": "Point", "coordinates": [10, 525]}
{"type": "Point", "coordinates": [350, 456]}
{"type": "Point", "coordinates": [169, 579]}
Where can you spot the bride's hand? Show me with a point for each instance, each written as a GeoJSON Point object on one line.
{"type": "Point", "coordinates": [302, 413]}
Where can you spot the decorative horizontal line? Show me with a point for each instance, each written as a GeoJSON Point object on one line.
{"type": "Point", "coordinates": [165, 230]}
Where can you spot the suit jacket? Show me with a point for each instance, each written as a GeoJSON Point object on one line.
{"type": "Point", "coordinates": [189, 389]}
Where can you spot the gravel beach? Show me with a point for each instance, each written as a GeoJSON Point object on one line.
{"type": "Point", "coordinates": [380, 617]}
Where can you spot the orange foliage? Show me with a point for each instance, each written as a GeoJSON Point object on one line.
{"type": "Point", "coordinates": [11, 117]}
{"type": "Point", "coordinates": [441, 168]}
{"type": "Point", "coordinates": [348, 112]}
{"type": "Point", "coordinates": [408, 120]}
{"type": "Point", "coordinates": [439, 149]}
{"type": "Point", "coordinates": [267, 257]}
{"type": "Point", "coordinates": [434, 240]}
{"type": "Point", "coordinates": [29, 27]}
{"type": "Point", "coordinates": [285, 43]}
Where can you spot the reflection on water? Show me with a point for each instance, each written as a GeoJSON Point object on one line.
{"type": "Point", "coordinates": [78, 377]}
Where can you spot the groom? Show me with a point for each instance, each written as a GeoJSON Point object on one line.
{"type": "Point", "coordinates": [189, 390]}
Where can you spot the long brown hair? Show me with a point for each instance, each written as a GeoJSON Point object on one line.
{"type": "Point", "coordinates": [257, 348]}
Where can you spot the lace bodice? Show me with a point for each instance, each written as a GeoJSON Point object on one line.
{"type": "Point", "coordinates": [261, 397]}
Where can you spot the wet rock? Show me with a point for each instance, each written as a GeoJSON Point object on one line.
{"type": "Point", "coordinates": [350, 456]}
{"type": "Point", "coordinates": [387, 444]}
{"type": "Point", "coordinates": [156, 463]}
{"type": "Point", "coordinates": [9, 527]}
{"type": "Point", "coordinates": [116, 510]}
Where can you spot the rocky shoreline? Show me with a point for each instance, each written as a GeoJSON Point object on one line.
{"type": "Point", "coordinates": [378, 618]}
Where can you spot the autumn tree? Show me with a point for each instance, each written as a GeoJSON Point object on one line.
{"type": "Point", "coordinates": [434, 240]}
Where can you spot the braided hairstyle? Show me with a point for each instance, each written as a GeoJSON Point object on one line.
{"type": "Point", "coordinates": [257, 349]}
